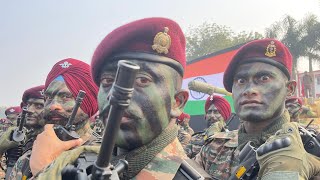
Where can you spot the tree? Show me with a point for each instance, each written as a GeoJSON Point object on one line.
{"type": "Point", "coordinates": [289, 32]}
{"type": "Point", "coordinates": [210, 37]}
{"type": "Point", "coordinates": [302, 38]}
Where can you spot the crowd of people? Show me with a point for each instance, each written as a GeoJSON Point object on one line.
{"type": "Point", "coordinates": [155, 137]}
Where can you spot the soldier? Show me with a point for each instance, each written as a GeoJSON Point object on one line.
{"type": "Point", "coordinates": [307, 84]}
{"type": "Point", "coordinates": [294, 106]}
{"type": "Point", "coordinates": [259, 78]}
{"type": "Point", "coordinates": [64, 81]}
{"type": "Point", "coordinates": [147, 138]}
{"type": "Point", "coordinates": [12, 114]}
{"type": "Point", "coordinates": [33, 99]}
{"type": "Point", "coordinates": [218, 111]}
{"type": "Point", "coordinates": [185, 131]}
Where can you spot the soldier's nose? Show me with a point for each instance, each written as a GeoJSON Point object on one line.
{"type": "Point", "coordinates": [55, 107]}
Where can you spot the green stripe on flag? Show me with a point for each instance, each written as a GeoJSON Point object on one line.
{"type": "Point", "coordinates": [197, 107]}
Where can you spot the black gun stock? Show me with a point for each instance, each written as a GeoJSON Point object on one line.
{"type": "Point", "coordinates": [68, 132]}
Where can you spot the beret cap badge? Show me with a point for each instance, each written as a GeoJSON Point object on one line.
{"type": "Point", "coordinates": [65, 64]}
{"type": "Point", "coordinates": [162, 42]}
{"type": "Point", "coordinates": [271, 49]}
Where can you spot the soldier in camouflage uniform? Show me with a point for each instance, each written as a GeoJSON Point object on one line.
{"type": "Point", "coordinates": [259, 78]}
{"type": "Point", "coordinates": [185, 131]}
{"type": "Point", "coordinates": [218, 111]}
{"type": "Point", "coordinates": [147, 138]}
{"type": "Point", "coordinates": [34, 101]}
{"type": "Point", "coordinates": [12, 114]}
{"type": "Point", "coordinates": [63, 83]}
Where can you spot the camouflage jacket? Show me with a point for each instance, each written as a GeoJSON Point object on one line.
{"type": "Point", "coordinates": [199, 139]}
{"type": "Point", "coordinates": [21, 169]}
{"type": "Point", "coordinates": [219, 157]}
{"type": "Point", "coordinates": [163, 166]}
{"type": "Point", "coordinates": [183, 136]}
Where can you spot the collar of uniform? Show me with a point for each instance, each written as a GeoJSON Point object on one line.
{"type": "Point", "coordinates": [260, 138]}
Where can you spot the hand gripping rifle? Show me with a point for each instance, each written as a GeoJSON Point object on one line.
{"type": "Point", "coordinates": [249, 167]}
{"type": "Point", "coordinates": [121, 93]}
{"type": "Point", "coordinates": [68, 132]}
{"type": "Point", "coordinates": [18, 136]}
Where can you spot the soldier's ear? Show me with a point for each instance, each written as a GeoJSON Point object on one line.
{"type": "Point", "coordinates": [291, 88]}
{"type": "Point", "coordinates": [181, 98]}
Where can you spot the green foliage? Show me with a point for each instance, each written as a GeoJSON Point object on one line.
{"type": "Point", "coordinates": [301, 37]}
{"type": "Point", "coordinates": [210, 37]}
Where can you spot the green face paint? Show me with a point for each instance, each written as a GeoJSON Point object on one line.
{"type": "Point", "coordinates": [149, 111]}
{"type": "Point", "coordinates": [59, 103]}
{"type": "Point", "coordinates": [35, 113]}
{"type": "Point", "coordinates": [259, 91]}
{"type": "Point", "coordinates": [213, 115]}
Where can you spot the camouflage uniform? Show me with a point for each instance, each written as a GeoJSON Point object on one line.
{"type": "Point", "coordinates": [220, 156]}
{"type": "Point", "coordinates": [22, 168]}
{"type": "Point", "coordinates": [199, 139]}
{"type": "Point", "coordinates": [163, 165]}
{"type": "Point", "coordinates": [184, 135]}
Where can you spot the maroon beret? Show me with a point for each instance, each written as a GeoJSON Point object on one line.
{"type": "Point", "coordinates": [13, 110]}
{"type": "Point", "coordinates": [221, 104]}
{"type": "Point", "coordinates": [182, 116]}
{"type": "Point", "coordinates": [152, 39]}
{"type": "Point", "coordinates": [77, 76]}
{"type": "Point", "coordinates": [268, 51]}
{"type": "Point", "coordinates": [292, 99]}
{"type": "Point", "coordinates": [35, 92]}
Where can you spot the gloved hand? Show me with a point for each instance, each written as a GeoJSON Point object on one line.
{"type": "Point", "coordinates": [47, 147]}
{"type": "Point", "coordinates": [284, 157]}
{"type": "Point", "coordinates": [5, 142]}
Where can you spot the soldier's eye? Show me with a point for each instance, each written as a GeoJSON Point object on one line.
{"type": "Point", "coordinates": [143, 81]}
{"type": "Point", "coordinates": [264, 78]}
{"type": "Point", "coordinates": [107, 82]}
{"type": "Point", "coordinates": [240, 81]}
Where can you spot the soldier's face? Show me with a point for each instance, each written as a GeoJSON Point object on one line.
{"type": "Point", "coordinates": [59, 103]}
{"type": "Point", "coordinates": [213, 115]}
{"type": "Point", "coordinates": [259, 91]}
{"type": "Point", "coordinates": [35, 113]}
{"type": "Point", "coordinates": [151, 105]}
{"type": "Point", "coordinates": [13, 118]}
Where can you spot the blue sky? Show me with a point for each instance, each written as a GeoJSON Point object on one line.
{"type": "Point", "coordinates": [35, 34]}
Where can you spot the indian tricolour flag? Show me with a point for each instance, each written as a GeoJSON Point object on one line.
{"type": "Point", "coordinates": [209, 69]}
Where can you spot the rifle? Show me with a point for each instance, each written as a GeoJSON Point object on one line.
{"type": "Point", "coordinates": [121, 93]}
{"type": "Point", "coordinates": [68, 132]}
{"type": "Point", "coordinates": [249, 167]}
{"type": "Point", "coordinates": [18, 136]}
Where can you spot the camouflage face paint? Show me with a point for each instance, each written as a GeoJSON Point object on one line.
{"type": "Point", "coordinates": [294, 109]}
{"type": "Point", "coordinates": [59, 103]}
{"type": "Point", "coordinates": [213, 115]}
{"type": "Point", "coordinates": [35, 113]}
{"type": "Point", "coordinates": [259, 91]}
{"type": "Point", "coordinates": [149, 111]}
